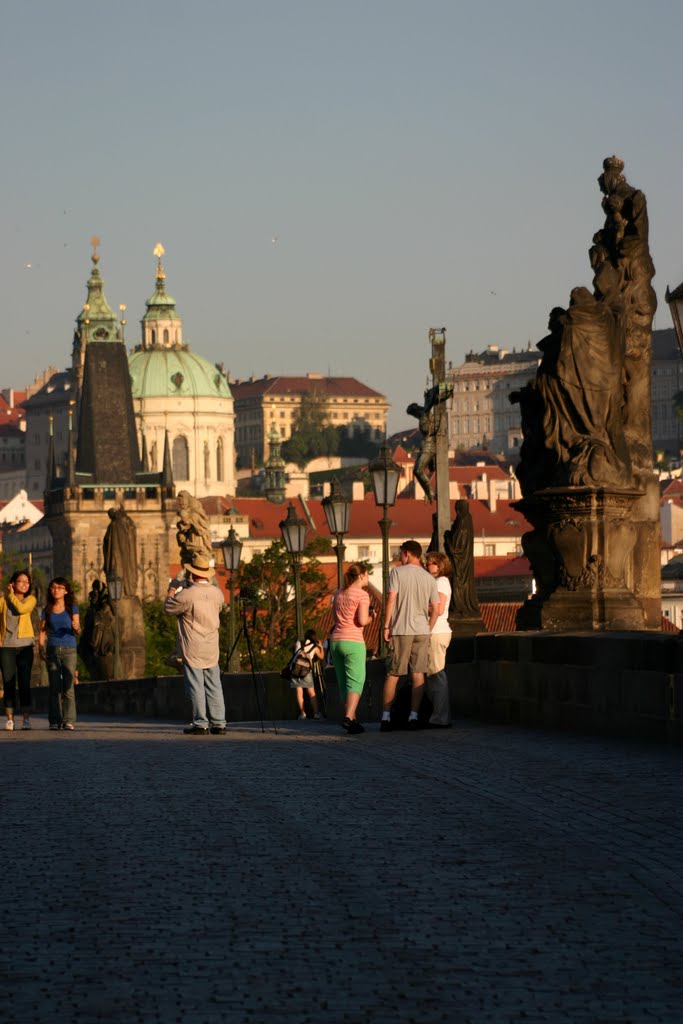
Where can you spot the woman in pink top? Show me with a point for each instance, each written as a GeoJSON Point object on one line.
{"type": "Point", "coordinates": [351, 607]}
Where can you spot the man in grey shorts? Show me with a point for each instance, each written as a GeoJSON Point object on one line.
{"type": "Point", "coordinates": [411, 611]}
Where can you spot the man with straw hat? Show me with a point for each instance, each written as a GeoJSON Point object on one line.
{"type": "Point", "coordinates": [198, 610]}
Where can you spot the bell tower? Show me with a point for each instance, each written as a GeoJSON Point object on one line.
{"type": "Point", "coordinates": [161, 325]}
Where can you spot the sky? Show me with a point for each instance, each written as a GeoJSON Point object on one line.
{"type": "Point", "coordinates": [329, 179]}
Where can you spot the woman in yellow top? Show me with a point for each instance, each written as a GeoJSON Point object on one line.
{"type": "Point", "coordinates": [16, 646]}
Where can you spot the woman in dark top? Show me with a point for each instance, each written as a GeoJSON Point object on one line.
{"type": "Point", "coordinates": [18, 640]}
{"type": "Point", "coordinates": [59, 627]}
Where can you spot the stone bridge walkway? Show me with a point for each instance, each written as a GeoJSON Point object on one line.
{"type": "Point", "coordinates": [478, 874]}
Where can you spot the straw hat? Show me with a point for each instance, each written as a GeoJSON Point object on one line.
{"type": "Point", "coordinates": [199, 566]}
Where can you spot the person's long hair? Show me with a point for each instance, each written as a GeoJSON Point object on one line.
{"type": "Point", "coordinates": [354, 572]}
{"type": "Point", "coordinates": [22, 572]}
{"type": "Point", "coordinates": [69, 597]}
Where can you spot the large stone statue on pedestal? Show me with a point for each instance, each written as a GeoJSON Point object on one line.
{"type": "Point", "coordinates": [586, 459]}
{"type": "Point", "coordinates": [113, 643]}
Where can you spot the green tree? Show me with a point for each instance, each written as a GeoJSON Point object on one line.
{"type": "Point", "coordinates": [160, 638]}
{"type": "Point", "coordinates": [360, 439]}
{"type": "Point", "coordinates": [312, 432]}
{"type": "Point", "coordinates": [266, 591]}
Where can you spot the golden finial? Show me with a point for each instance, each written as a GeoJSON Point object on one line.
{"type": "Point", "coordinates": [159, 252]}
{"type": "Point", "coordinates": [95, 241]}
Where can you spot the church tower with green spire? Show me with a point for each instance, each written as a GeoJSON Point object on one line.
{"type": "Point", "coordinates": [104, 465]}
{"type": "Point", "coordinates": [96, 321]}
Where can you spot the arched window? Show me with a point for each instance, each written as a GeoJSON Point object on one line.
{"type": "Point", "coordinates": [219, 459]}
{"type": "Point", "coordinates": [207, 462]}
{"type": "Point", "coordinates": [154, 337]}
{"type": "Point", "coordinates": [181, 459]}
{"type": "Point", "coordinates": [165, 336]}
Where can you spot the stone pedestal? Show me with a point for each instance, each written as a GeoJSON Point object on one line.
{"type": "Point", "coordinates": [466, 625]}
{"type": "Point", "coordinates": [581, 552]}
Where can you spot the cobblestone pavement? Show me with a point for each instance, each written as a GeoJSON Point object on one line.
{"type": "Point", "coordinates": [474, 874]}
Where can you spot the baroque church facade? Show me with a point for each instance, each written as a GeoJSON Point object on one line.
{"type": "Point", "coordinates": [175, 391]}
{"type": "Point", "coordinates": [132, 431]}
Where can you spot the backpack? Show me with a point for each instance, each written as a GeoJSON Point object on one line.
{"type": "Point", "coordinates": [300, 666]}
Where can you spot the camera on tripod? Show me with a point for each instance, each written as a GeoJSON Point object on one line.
{"type": "Point", "coordinates": [248, 596]}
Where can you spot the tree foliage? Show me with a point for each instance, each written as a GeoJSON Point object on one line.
{"type": "Point", "coordinates": [267, 599]}
{"type": "Point", "coordinates": [359, 439]}
{"type": "Point", "coordinates": [160, 638]}
{"type": "Point", "coordinates": [312, 433]}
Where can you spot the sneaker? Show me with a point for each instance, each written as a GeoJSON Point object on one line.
{"type": "Point", "coordinates": [385, 726]}
{"type": "Point", "coordinates": [412, 724]}
{"type": "Point", "coordinates": [9, 724]}
{"type": "Point", "coordinates": [54, 726]}
{"type": "Point", "coordinates": [354, 727]}
{"type": "Point", "coordinates": [26, 724]}
{"type": "Point", "coordinates": [318, 717]}
{"type": "Point", "coordinates": [196, 730]}
{"type": "Point", "coordinates": [69, 726]}
{"type": "Point", "coordinates": [302, 717]}
{"type": "Point", "coordinates": [217, 730]}
{"type": "Point", "coordinates": [346, 723]}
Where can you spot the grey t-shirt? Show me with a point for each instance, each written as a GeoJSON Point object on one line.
{"type": "Point", "coordinates": [11, 629]}
{"type": "Point", "coordinates": [415, 590]}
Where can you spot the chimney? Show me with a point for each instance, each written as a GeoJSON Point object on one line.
{"type": "Point", "coordinates": [493, 494]}
{"type": "Point", "coordinates": [357, 490]}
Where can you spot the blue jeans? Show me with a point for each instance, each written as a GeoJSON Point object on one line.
{"type": "Point", "coordinates": [61, 670]}
{"type": "Point", "coordinates": [204, 689]}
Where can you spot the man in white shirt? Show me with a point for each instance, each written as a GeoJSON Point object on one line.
{"type": "Point", "coordinates": [411, 611]}
{"type": "Point", "coordinates": [198, 610]}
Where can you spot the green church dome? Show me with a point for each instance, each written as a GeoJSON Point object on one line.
{"type": "Point", "coordinates": [175, 373]}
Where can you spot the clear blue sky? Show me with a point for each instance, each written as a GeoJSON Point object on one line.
{"type": "Point", "coordinates": [420, 164]}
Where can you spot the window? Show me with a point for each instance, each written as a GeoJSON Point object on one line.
{"type": "Point", "coordinates": [180, 459]}
{"type": "Point", "coordinates": [363, 551]}
{"type": "Point", "coordinates": [219, 459]}
{"type": "Point", "coordinates": [166, 339]}
{"type": "Point", "coordinates": [153, 457]}
{"type": "Point", "coordinates": [207, 462]}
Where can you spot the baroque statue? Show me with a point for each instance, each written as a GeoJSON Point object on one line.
{"type": "Point", "coordinates": [583, 415]}
{"type": "Point", "coordinates": [459, 546]}
{"type": "Point", "coordinates": [120, 550]}
{"type": "Point", "coordinates": [429, 419]}
{"type": "Point", "coordinates": [193, 532]}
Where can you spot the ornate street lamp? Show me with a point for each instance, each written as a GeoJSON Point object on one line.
{"type": "Point", "coordinates": [115, 588]}
{"type": "Point", "coordinates": [675, 300]}
{"type": "Point", "coordinates": [338, 514]}
{"type": "Point", "coordinates": [294, 535]}
{"type": "Point", "coordinates": [385, 476]}
{"type": "Point", "coordinates": [232, 552]}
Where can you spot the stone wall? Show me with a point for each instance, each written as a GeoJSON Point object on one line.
{"type": "Point", "coordinates": [624, 685]}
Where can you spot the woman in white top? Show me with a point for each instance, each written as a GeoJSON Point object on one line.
{"type": "Point", "coordinates": [437, 681]}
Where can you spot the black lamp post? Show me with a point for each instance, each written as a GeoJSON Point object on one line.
{"type": "Point", "coordinates": [294, 535]}
{"type": "Point", "coordinates": [675, 300]}
{"type": "Point", "coordinates": [338, 514]}
{"type": "Point", "coordinates": [385, 476]}
{"type": "Point", "coordinates": [232, 552]}
{"type": "Point", "coordinates": [115, 588]}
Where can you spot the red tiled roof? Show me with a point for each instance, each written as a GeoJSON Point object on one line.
{"type": "Point", "coordinates": [409, 518]}
{"type": "Point", "coordinates": [500, 616]}
{"type": "Point", "coordinates": [672, 488]}
{"type": "Point", "coordinates": [331, 386]}
{"type": "Point", "coordinates": [488, 566]}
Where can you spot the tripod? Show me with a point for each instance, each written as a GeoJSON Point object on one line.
{"type": "Point", "coordinates": [255, 671]}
